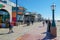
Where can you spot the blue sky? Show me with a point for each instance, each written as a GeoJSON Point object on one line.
{"type": "Point", "coordinates": [41, 6]}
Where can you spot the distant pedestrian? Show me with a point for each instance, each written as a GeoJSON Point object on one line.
{"type": "Point", "coordinates": [48, 26]}
{"type": "Point", "coordinates": [0, 25]}
{"type": "Point", "coordinates": [8, 24]}
{"type": "Point", "coordinates": [32, 20]}
{"type": "Point", "coordinates": [43, 23]}
{"type": "Point", "coordinates": [46, 21]}
{"type": "Point", "coordinates": [28, 21]}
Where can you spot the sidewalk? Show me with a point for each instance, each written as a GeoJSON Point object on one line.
{"type": "Point", "coordinates": [36, 33]}
{"type": "Point", "coordinates": [18, 31]}
{"type": "Point", "coordinates": [22, 32]}
{"type": "Point", "coordinates": [58, 30]}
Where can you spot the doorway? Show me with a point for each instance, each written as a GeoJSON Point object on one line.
{"type": "Point", "coordinates": [4, 15]}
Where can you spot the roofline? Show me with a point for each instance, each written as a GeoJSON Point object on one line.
{"type": "Point", "coordinates": [5, 3]}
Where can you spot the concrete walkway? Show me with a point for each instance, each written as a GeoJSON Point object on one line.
{"type": "Point", "coordinates": [23, 32]}
{"type": "Point", "coordinates": [20, 30]}
{"type": "Point", "coordinates": [35, 33]}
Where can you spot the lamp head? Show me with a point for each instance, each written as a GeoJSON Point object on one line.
{"type": "Point", "coordinates": [53, 6]}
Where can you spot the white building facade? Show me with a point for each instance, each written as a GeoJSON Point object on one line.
{"type": "Point", "coordinates": [7, 8]}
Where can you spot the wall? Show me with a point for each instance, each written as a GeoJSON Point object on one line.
{"type": "Point", "coordinates": [8, 8]}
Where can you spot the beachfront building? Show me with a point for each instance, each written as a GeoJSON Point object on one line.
{"type": "Point", "coordinates": [27, 16]}
{"type": "Point", "coordinates": [20, 14]}
{"type": "Point", "coordinates": [5, 11]}
{"type": "Point", "coordinates": [37, 17]}
{"type": "Point", "coordinates": [33, 15]}
{"type": "Point", "coordinates": [8, 10]}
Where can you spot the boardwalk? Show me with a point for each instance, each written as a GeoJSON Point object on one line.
{"type": "Point", "coordinates": [32, 32]}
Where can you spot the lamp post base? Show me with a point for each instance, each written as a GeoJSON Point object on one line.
{"type": "Point", "coordinates": [53, 28]}
{"type": "Point", "coordinates": [53, 31]}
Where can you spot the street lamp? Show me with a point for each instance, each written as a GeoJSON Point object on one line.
{"type": "Point", "coordinates": [53, 27]}
{"type": "Point", "coordinates": [16, 9]}
{"type": "Point", "coordinates": [53, 19]}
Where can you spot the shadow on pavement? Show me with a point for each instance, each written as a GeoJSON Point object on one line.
{"type": "Point", "coordinates": [44, 33]}
{"type": "Point", "coordinates": [4, 33]}
{"type": "Point", "coordinates": [48, 36]}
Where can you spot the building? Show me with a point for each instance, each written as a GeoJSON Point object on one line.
{"type": "Point", "coordinates": [8, 10]}
{"type": "Point", "coordinates": [33, 15]}
{"type": "Point", "coordinates": [27, 16]}
{"type": "Point", "coordinates": [38, 17]}
{"type": "Point", "coordinates": [20, 14]}
{"type": "Point", "coordinates": [9, 3]}
{"type": "Point", "coordinates": [5, 11]}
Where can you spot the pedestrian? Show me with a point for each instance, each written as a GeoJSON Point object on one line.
{"type": "Point", "coordinates": [32, 21]}
{"type": "Point", "coordinates": [8, 24]}
{"type": "Point", "coordinates": [48, 26]}
{"type": "Point", "coordinates": [46, 21]}
{"type": "Point", "coordinates": [28, 21]}
{"type": "Point", "coordinates": [0, 25]}
{"type": "Point", "coordinates": [43, 23]}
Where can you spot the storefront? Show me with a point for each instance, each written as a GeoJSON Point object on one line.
{"type": "Point", "coordinates": [5, 12]}
{"type": "Point", "coordinates": [21, 14]}
{"type": "Point", "coordinates": [16, 17]}
{"type": "Point", "coordinates": [20, 18]}
{"type": "Point", "coordinates": [27, 16]}
{"type": "Point", "coordinates": [9, 11]}
{"type": "Point", "coordinates": [4, 15]}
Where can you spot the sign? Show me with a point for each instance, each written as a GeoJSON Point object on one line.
{"type": "Point", "coordinates": [1, 6]}
{"type": "Point", "coordinates": [20, 13]}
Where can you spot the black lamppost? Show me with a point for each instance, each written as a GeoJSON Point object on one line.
{"type": "Point", "coordinates": [53, 19]}
{"type": "Point", "coordinates": [16, 9]}
{"type": "Point", "coordinates": [53, 28]}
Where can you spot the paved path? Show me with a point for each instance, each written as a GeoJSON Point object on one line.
{"type": "Point", "coordinates": [19, 31]}
{"type": "Point", "coordinates": [36, 32]}
{"type": "Point", "coordinates": [58, 30]}
{"type": "Point", "coordinates": [33, 32]}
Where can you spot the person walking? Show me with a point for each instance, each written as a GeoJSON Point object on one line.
{"type": "Point", "coordinates": [43, 23]}
{"type": "Point", "coordinates": [48, 26]}
{"type": "Point", "coordinates": [46, 21]}
{"type": "Point", "coordinates": [8, 24]}
{"type": "Point", "coordinates": [28, 21]}
{"type": "Point", "coordinates": [32, 20]}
